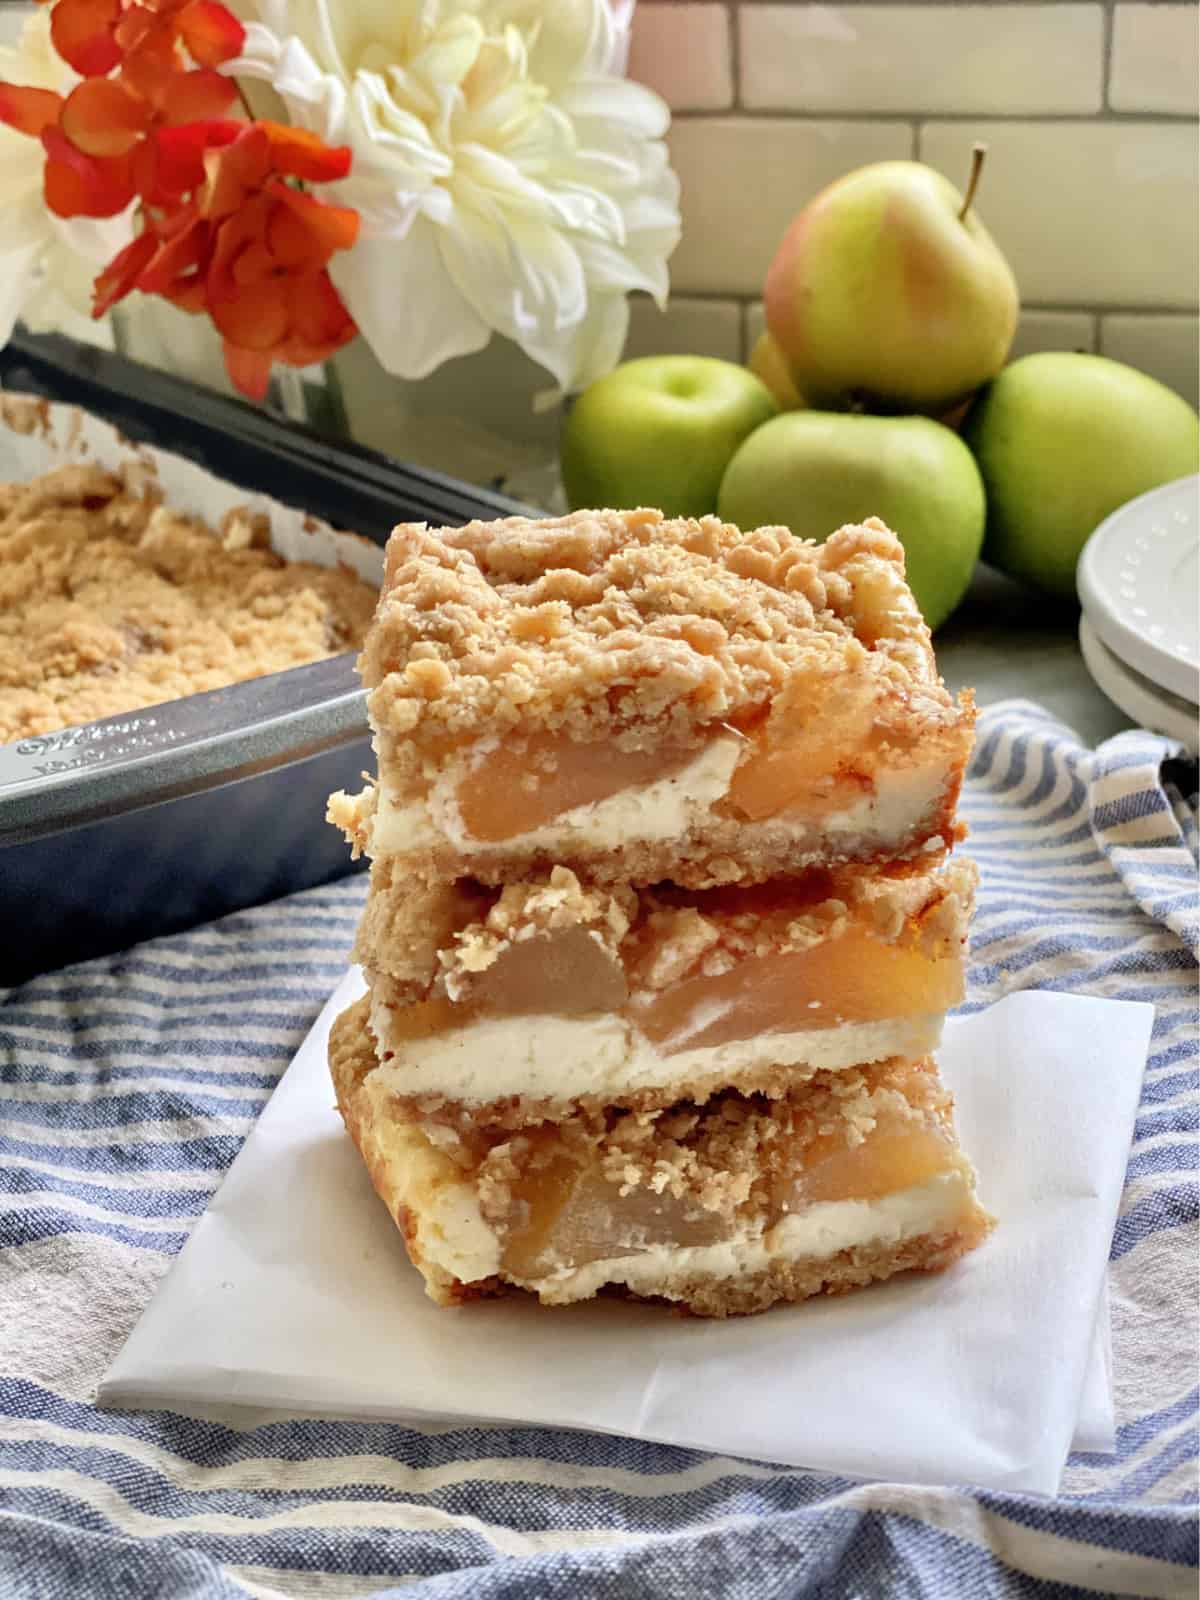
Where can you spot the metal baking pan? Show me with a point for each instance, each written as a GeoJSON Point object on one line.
{"type": "Point", "coordinates": [153, 821]}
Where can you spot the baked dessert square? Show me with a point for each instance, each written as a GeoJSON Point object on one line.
{"type": "Point", "coordinates": [650, 699]}
{"type": "Point", "coordinates": [533, 1001]}
{"type": "Point", "coordinates": [661, 927]}
{"type": "Point", "coordinates": [721, 1209]}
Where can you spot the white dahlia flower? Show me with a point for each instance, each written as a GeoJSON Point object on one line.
{"type": "Point", "coordinates": [508, 181]}
{"type": "Point", "coordinates": [47, 263]}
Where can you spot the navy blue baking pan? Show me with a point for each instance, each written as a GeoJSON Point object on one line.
{"type": "Point", "coordinates": [154, 821]}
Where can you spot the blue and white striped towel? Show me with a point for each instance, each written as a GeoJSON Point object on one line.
{"type": "Point", "coordinates": [129, 1083]}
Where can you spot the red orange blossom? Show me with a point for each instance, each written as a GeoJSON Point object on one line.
{"type": "Point", "coordinates": [225, 228]}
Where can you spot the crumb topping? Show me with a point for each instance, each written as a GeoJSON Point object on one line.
{"type": "Point", "coordinates": [438, 938]}
{"type": "Point", "coordinates": [525, 912]}
{"type": "Point", "coordinates": [603, 624]}
{"type": "Point", "coordinates": [409, 919]}
{"type": "Point", "coordinates": [730, 1158]}
{"type": "Point", "coordinates": [110, 601]}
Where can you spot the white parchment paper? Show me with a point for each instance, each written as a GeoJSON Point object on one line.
{"type": "Point", "coordinates": [294, 1292]}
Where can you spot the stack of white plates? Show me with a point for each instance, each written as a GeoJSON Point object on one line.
{"type": "Point", "coordinates": [1139, 585]}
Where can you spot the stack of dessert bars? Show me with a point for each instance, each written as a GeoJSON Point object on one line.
{"type": "Point", "coordinates": [662, 923]}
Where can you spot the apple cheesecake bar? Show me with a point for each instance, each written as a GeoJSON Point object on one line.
{"type": "Point", "coordinates": [662, 923]}
{"type": "Point", "coordinates": [722, 1208]}
{"type": "Point", "coordinates": [647, 700]}
{"type": "Point", "coordinates": [529, 1002]}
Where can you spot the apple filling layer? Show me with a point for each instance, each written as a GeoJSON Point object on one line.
{"type": "Point", "coordinates": [726, 1207]}
{"type": "Point", "coordinates": [807, 758]}
{"type": "Point", "coordinates": [691, 1177]}
{"type": "Point", "coordinates": [560, 992]}
{"type": "Point", "coordinates": [827, 794]}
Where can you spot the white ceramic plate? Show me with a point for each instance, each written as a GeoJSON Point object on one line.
{"type": "Point", "coordinates": [1149, 706]}
{"type": "Point", "coordinates": [1139, 579]}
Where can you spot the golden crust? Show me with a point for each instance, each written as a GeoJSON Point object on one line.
{"type": "Point", "coordinates": [790, 1281]}
{"type": "Point", "coordinates": [351, 1056]}
{"type": "Point", "coordinates": [351, 1061]}
{"type": "Point", "coordinates": [780, 1283]}
{"type": "Point", "coordinates": [630, 628]}
{"type": "Point", "coordinates": [410, 917]}
{"type": "Point", "coordinates": [110, 602]}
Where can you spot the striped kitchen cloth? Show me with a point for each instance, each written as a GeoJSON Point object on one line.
{"type": "Point", "coordinates": [129, 1084]}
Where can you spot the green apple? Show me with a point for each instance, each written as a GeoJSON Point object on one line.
{"type": "Point", "coordinates": [1062, 440]}
{"type": "Point", "coordinates": [767, 362]}
{"type": "Point", "coordinates": [660, 431]}
{"type": "Point", "coordinates": [814, 471]}
{"type": "Point", "coordinates": [888, 293]}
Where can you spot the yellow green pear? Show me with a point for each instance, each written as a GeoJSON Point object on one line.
{"type": "Point", "coordinates": [887, 293]}
{"type": "Point", "coordinates": [1062, 440]}
{"type": "Point", "coordinates": [768, 362]}
{"type": "Point", "coordinates": [814, 471]}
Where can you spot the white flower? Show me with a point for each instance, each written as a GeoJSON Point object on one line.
{"type": "Point", "coordinates": [47, 263]}
{"type": "Point", "coordinates": [506, 179]}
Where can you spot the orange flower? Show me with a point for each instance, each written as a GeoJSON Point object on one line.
{"type": "Point", "coordinates": [244, 245]}
{"type": "Point", "coordinates": [107, 119]}
{"type": "Point", "coordinates": [79, 185]}
{"type": "Point", "coordinates": [94, 36]}
{"type": "Point", "coordinates": [29, 111]}
{"type": "Point", "coordinates": [224, 228]}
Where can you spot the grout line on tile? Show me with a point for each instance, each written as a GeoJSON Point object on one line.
{"type": "Point", "coordinates": [934, 5]}
{"type": "Point", "coordinates": [1106, 56]}
{"type": "Point", "coordinates": [1125, 310]}
{"type": "Point", "coordinates": [735, 54]}
{"type": "Point", "coordinates": [849, 114]}
{"type": "Point", "coordinates": [745, 299]}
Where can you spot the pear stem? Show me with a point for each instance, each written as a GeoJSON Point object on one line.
{"type": "Point", "coordinates": [978, 156]}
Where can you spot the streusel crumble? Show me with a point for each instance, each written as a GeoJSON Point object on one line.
{"type": "Point", "coordinates": [110, 602]}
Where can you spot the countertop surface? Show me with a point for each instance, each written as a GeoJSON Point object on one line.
{"type": "Point", "coordinates": [1007, 642]}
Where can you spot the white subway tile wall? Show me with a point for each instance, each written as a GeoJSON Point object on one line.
{"type": "Point", "coordinates": [1088, 213]}
{"type": "Point", "coordinates": [1155, 59]}
{"type": "Point", "coordinates": [682, 51]}
{"type": "Point", "coordinates": [921, 59]}
{"type": "Point", "coordinates": [686, 327]}
{"type": "Point", "coordinates": [1054, 330]}
{"type": "Point", "coordinates": [744, 179]}
{"type": "Point", "coordinates": [1089, 110]}
{"type": "Point", "coordinates": [1168, 348]}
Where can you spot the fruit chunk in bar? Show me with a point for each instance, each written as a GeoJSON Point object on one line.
{"type": "Point", "coordinates": [723, 1208]}
{"type": "Point", "coordinates": [653, 700]}
{"type": "Point", "coordinates": [516, 1004]}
